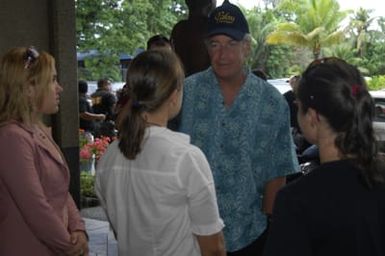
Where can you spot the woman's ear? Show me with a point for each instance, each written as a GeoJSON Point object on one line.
{"type": "Point", "coordinates": [30, 90]}
{"type": "Point", "coordinates": [313, 117]}
{"type": "Point", "coordinates": [173, 99]}
{"type": "Point", "coordinates": [31, 94]}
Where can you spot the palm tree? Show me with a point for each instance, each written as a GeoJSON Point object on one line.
{"type": "Point", "coordinates": [316, 25]}
{"type": "Point", "coordinates": [261, 24]}
{"type": "Point", "coordinates": [360, 24]}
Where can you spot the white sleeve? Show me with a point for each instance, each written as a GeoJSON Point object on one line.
{"type": "Point", "coordinates": [195, 174]}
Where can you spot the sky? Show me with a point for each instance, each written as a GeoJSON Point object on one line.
{"type": "Point", "coordinates": [377, 5]}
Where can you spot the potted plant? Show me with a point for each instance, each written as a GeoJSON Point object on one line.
{"type": "Point", "coordinates": [90, 152]}
{"type": "Point", "coordinates": [87, 190]}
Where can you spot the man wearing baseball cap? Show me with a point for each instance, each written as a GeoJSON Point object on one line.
{"type": "Point", "coordinates": [242, 124]}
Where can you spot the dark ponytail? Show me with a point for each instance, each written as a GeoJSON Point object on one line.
{"type": "Point", "coordinates": [131, 130]}
{"type": "Point", "coordinates": [337, 91]}
{"type": "Point", "coordinates": [152, 77]}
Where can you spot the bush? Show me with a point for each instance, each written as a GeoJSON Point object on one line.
{"type": "Point", "coordinates": [87, 185]}
{"type": "Point", "coordinates": [376, 83]}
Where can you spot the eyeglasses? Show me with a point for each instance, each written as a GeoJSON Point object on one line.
{"type": "Point", "coordinates": [216, 46]}
{"type": "Point", "coordinates": [30, 57]}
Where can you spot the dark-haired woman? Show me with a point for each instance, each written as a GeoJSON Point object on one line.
{"type": "Point", "coordinates": [157, 188]}
{"type": "Point", "coordinates": [339, 208]}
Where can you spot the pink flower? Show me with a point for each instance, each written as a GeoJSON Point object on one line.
{"type": "Point", "coordinates": [97, 147]}
{"type": "Point", "coordinates": [85, 153]}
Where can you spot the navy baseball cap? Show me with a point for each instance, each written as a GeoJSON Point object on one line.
{"type": "Point", "coordinates": [228, 20]}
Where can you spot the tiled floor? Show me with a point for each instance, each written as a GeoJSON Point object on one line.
{"type": "Point", "coordinates": [101, 238]}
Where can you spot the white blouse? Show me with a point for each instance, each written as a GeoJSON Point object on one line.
{"type": "Point", "coordinates": [157, 202]}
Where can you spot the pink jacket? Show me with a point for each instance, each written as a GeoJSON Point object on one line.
{"type": "Point", "coordinates": [37, 213]}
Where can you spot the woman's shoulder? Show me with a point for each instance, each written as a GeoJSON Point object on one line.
{"type": "Point", "coordinates": [14, 128]}
{"type": "Point", "coordinates": [177, 144]}
{"type": "Point", "coordinates": [326, 178]}
{"type": "Point", "coordinates": [170, 139]}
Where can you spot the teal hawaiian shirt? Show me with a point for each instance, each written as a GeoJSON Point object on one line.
{"type": "Point", "coordinates": [246, 144]}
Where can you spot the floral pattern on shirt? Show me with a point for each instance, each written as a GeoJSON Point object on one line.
{"type": "Point", "coordinates": [246, 144]}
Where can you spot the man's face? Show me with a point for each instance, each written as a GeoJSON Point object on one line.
{"type": "Point", "coordinates": [293, 81]}
{"type": "Point", "coordinates": [227, 56]}
{"type": "Point", "coordinates": [108, 86]}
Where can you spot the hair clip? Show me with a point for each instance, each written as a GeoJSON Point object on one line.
{"type": "Point", "coordinates": [31, 55]}
{"type": "Point", "coordinates": [356, 88]}
{"type": "Point", "coordinates": [136, 104]}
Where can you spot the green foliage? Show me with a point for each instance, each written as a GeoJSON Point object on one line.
{"type": "Point", "coordinates": [374, 53]}
{"type": "Point", "coordinates": [275, 60]}
{"type": "Point", "coordinates": [87, 184]}
{"type": "Point", "coordinates": [113, 27]}
{"type": "Point", "coordinates": [276, 66]}
{"type": "Point", "coordinates": [315, 25]}
{"type": "Point", "coordinates": [376, 83]}
{"type": "Point", "coordinates": [285, 61]}
{"type": "Point", "coordinates": [260, 23]}
{"type": "Point", "coordinates": [99, 67]}
{"type": "Point", "coordinates": [346, 52]}
{"type": "Point", "coordinates": [308, 29]}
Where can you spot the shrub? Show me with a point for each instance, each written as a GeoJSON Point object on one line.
{"type": "Point", "coordinates": [87, 185]}
{"type": "Point", "coordinates": [376, 83]}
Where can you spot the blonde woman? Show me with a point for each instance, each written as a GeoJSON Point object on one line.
{"type": "Point", "coordinates": [157, 188]}
{"type": "Point", "coordinates": [37, 214]}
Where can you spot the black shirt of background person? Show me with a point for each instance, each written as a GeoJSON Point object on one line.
{"type": "Point", "coordinates": [299, 140]}
{"type": "Point", "coordinates": [290, 98]}
{"type": "Point", "coordinates": [188, 36]}
{"type": "Point", "coordinates": [188, 40]}
{"type": "Point", "coordinates": [103, 102]}
{"type": "Point", "coordinates": [85, 106]}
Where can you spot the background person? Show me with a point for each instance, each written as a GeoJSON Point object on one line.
{"type": "Point", "coordinates": [158, 42]}
{"type": "Point", "coordinates": [157, 188]}
{"type": "Point", "coordinates": [104, 102]}
{"type": "Point", "coordinates": [188, 39]}
{"type": "Point", "coordinates": [260, 73]}
{"type": "Point", "coordinates": [338, 208]}
{"type": "Point", "coordinates": [37, 213]}
{"type": "Point", "coordinates": [290, 97]}
{"type": "Point", "coordinates": [188, 36]}
{"type": "Point", "coordinates": [242, 125]}
{"type": "Point", "coordinates": [86, 116]}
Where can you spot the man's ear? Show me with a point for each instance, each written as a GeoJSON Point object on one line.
{"type": "Point", "coordinates": [247, 48]}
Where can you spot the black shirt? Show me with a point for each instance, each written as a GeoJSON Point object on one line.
{"type": "Point", "coordinates": [85, 106]}
{"type": "Point", "coordinates": [103, 102]}
{"type": "Point", "coordinates": [328, 212]}
{"type": "Point", "coordinates": [290, 98]}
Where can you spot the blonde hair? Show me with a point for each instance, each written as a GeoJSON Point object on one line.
{"type": "Point", "coordinates": [18, 71]}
